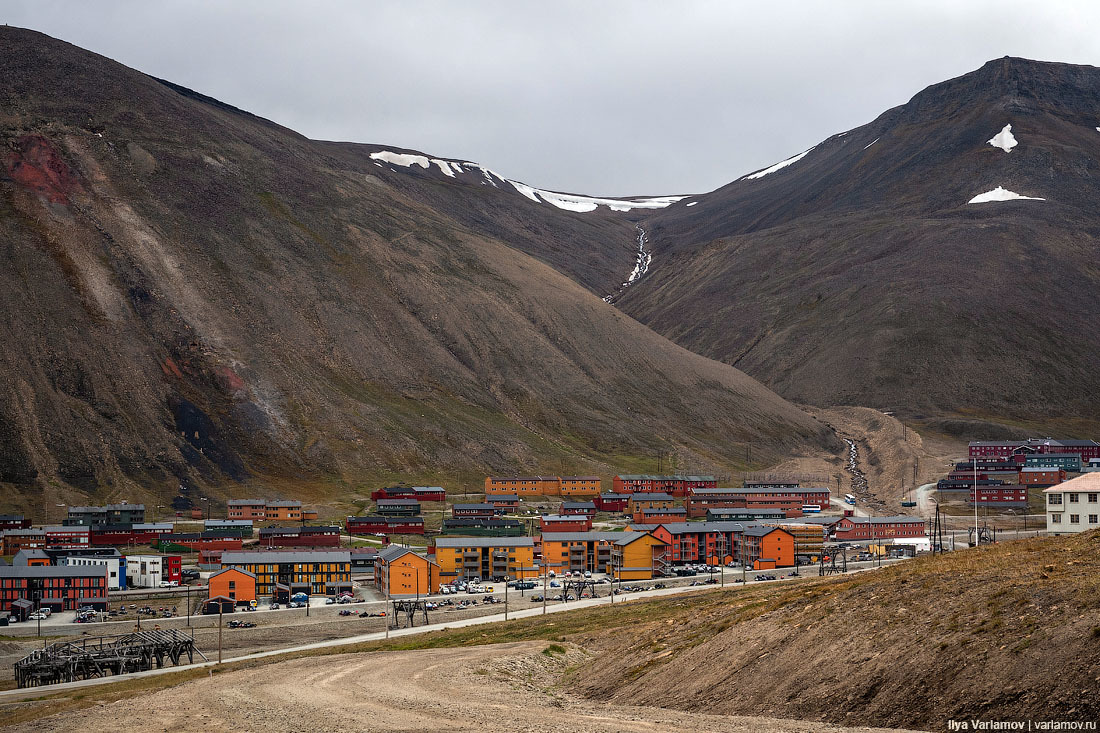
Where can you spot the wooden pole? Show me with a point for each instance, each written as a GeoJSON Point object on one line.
{"type": "Point", "coordinates": [221, 608]}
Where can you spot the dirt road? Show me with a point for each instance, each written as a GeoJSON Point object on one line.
{"type": "Point", "coordinates": [499, 687]}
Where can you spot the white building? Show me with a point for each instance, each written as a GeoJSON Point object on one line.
{"type": "Point", "coordinates": [116, 571]}
{"type": "Point", "coordinates": [1074, 505]}
{"type": "Point", "coordinates": [146, 571]}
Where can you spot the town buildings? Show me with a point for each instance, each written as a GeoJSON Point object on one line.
{"type": "Point", "coordinates": [236, 584]}
{"type": "Point", "coordinates": [151, 571]}
{"type": "Point", "coordinates": [306, 536]}
{"type": "Point", "coordinates": [90, 516]}
{"type": "Point", "coordinates": [377, 524]}
{"type": "Point", "coordinates": [1086, 449]}
{"type": "Point", "coordinates": [420, 493]}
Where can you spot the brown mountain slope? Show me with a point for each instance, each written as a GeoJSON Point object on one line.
{"type": "Point", "coordinates": [860, 274]}
{"type": "Point", "coordinates": [195, 294]}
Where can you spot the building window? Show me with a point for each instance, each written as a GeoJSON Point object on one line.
{"type": "Point", "coordinates": [1092, 518]}
{"type": "Point", "coordinates": [1074, 518]}
{"type": "Point", "coordinates": [1072, 498]}
{"type": "Point", "coordinates": [1055, 518]}
{"type": "Point", "coordinates": [1092, 498]}
{"type": "Point", "coordinates": [1054, 499]}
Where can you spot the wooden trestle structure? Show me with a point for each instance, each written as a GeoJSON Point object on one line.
{"type": "Point", "coordinates": [68, 661]}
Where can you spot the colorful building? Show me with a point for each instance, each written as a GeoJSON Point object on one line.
{"type": "Point", "coordinates": [579, 485]}
{"type": "Point", "coordinates": [400, 572]}
{"type": "Point", "coordinates": [90, 516]}
{"type": "Point", "coordinates": [655, 500]}
{"type": "Point", "coordinates": [660, 516]}
{"type": "Point", "coordinates": [397, 507]}
{"type": "Point", "coordinates": [626, 555]}
{"type": "Point", "coordinates": [236, 584]}
{"type": "Point", "coordinates": [152, 571]}
{"type": "Point", "coordinates": [300, 536]}
{"type": "Point", "coordinates": [316, 572]}
{"type": "Point", "coordinates": [765, 547]}
{"type": "Point", "coordinates": [523, 485]}
{"type": "Point", "coordinates": [247, 509]}
{"type": "Point", "coordinates": [586, 508]}
{"type": "Point", "coordinates": [481, 527]}
{"type": "Point", "coordinates": [60, 588]}
{"type": "Point", "coordinates": [878, 528]}
{"type": "Point", "coordinates": [283, 511]}
{"type": "Point", "coordinates": [1086, 449]}
{"type": "Point", "coordinates": [565, 523]}
{"type": "Point", "coordinates": [489, 558]}
{"type": "Point", "coordinates": [484, 510]}
{"type": "Point", "coordinates": [652, 483]}
{"type": "Point", "coordinates": [611, 502]}
{"type": "Point", "coordinates": [420, 493]}
{"type": "Point", "coordinates": [1041, 476]}
{"type": "Point", "coordinates": [377, 524]}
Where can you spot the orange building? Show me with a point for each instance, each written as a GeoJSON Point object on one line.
{"type": "Point", "coordinates": [234, 583]}
{"type": "Point", "coordinates": [286, 511]}
{"type": "Point", "coordinates": [629, 555]}
{"type": "Point", "coordinates": [398, 571]}
{"type": "Point", "coordinates": [523, 485]}
{"type": "Point", "coordinates": [579, 485]}
{"type": "Point", "coordinates": [309, 515]}
{"type": "Point", "coordinates": [758, 543]}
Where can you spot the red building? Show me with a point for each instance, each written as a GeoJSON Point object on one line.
{"type": "Point", "coordinates": [61, 587]}
{"type": "Point", "coordinates": [1042, 476]}
{"type": "Point", "coordinates": [587, 508]}
{"type": "Point", "coordinates": [118, 535]}
{"type": "Point", "coordinates": [300, 536]}
{"type": "Point", "coordinates": [506, 502]}
{"type": "Point", "coordinates": [1011, 448]}
{"type": "Point", "coordinates": [198, 541]}
{"type": "Point", "coordinates": [68, 537]}
{"type": "Point", "coordinates": [14, 521]}
{"type": "Point", "coordinates": [420, 493]}
{"type": "Point", "coordinates": [1007, 495]}
{"type": "Point", "coordinates": [375, 524]}
{"type": "Point", "coordinates": [649, 483]}
{"type": "Point", "coordinates": [791, 499]}
{"type": "Point", "coordinates": [565, 523]}
{"type": "Point", "coordinates": [878, 528]}
{"type": "Point", "coordinates": [612, 502]}
{"type": "Point", "coordinates": [15, 540]}
{"type": "Point", "coordinates": [698, 542]}
{"type": "Point", "coordinates": [484, 510]}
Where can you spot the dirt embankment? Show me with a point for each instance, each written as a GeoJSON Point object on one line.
{"type": "Point", "coordinates": [1010, 632]}
{"type": "Point", "coordinates": [498, 687]}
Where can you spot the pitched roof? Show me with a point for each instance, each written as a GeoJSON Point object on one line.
{"type": "Point", "coordinates": [1085, 482]}
{"type": "Point", "coordinates": [655, 496]}
{"type": "Point", "coordinates": [393, 552]}
{"type": "Point", "coordinates": [233, 570]}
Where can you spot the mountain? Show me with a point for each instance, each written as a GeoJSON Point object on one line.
{"type": "Point", "coordinates": [889, 266]}
{"type": "Point", "coordinates": [195, 295]}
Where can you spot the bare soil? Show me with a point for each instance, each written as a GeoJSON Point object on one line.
{"type": "Point", "coordinates": [497, 687]}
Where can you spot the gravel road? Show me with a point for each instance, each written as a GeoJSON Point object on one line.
{"type": "Point", "coordinates": [499, 687]}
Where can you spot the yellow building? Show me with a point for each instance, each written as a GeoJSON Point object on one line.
{"type": "Point", "coordinates": [398, 571]}
{"type": "Point", "coordinates": [488, 558]}
{"type": "Point", "coordinates": [625, 555]}
{"type": "Point", "coordinates": [317, 572]}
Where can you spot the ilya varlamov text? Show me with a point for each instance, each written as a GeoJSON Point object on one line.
{"type": "Point", "coordinates": [1025, 725]}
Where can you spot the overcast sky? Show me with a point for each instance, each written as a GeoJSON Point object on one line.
{"type": "Point", "coordinates": [598, 97]}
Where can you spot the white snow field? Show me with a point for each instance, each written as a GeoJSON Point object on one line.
{"type": "Point", "coordinates": [1000, 194]}
{"type": "Point", "coordinates": [1004, 139]}
{"type": "Point", "coordinates": [778, 166]}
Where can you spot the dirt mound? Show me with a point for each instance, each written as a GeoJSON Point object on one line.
{"type": "Point", "coordinates": [1008, 632]}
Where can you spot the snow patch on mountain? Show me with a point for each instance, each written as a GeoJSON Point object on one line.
{"type": "Point", "coordinates": [778, 166]}
{"type": "Point", "coordinates": [1004, 139]}
{"type": "Point", "coordinates": [871, 143]}
{"type": "Point", "coordinates": [1000, 194]}
{"type": "Point", "coordinates": [402, 159]}
{"type": "Point", "coordinates": [565, 201]}
{"type": "Point", "coordinates": [692, 203]}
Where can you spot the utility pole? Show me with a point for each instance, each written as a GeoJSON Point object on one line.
{"type": "Point", "coordinates": [505, 597]}
{"type": "Point", "coordinates": [545, 579]}
{"type": "Point", "coordinates": [977, 540]}
{"type": "Point", "coordinates": [188, 589]}
{"type": "Point", "coordinates": [221, 607]}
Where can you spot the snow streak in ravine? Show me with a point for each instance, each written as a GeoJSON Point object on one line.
{"type": "Point", "coordinates": [641, 265]}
